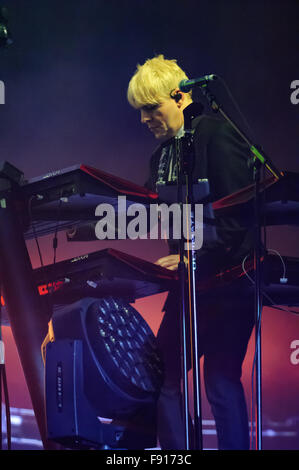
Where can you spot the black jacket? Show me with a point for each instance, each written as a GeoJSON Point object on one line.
{"type": "Point", "coordinates": [221, 157]}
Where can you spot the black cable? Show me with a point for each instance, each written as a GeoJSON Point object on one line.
{"type": "Point", "coordinates": [33, 227]}
{"type": "Point", "coordinates": [283, 309]}
{"type": "Point", "coordinates": [50, 285]}
{"type": "Point", "coordinates": [35, 236]}
{"type": "Point", "coordinates": [55, 240]}
{"type": "Point", "coordinates": [237, 107]}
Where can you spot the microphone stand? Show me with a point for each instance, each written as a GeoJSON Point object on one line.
{"type": "Point", "coordinates": [259, 159]}
{"type": "Point", "coordinates": [185, 156]}
{"type": "Point", "coordinates": [183, 306]}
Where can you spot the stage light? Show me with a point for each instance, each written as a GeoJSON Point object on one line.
{"type": "Point", "coordinates": [5, 37]}
{"type": "Point", "coordinates": [102, 361]}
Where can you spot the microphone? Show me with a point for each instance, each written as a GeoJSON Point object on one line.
{"type": "Point", "coordinates": [186, 85]}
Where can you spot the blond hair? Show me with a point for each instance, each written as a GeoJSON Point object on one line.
{"type": "Point", "coordinates": [154, 81]}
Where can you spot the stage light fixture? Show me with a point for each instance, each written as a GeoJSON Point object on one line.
{"type": "Point", "coordinates": [103, 375]}
{"type": "Point", "coordinates": [5, 37]}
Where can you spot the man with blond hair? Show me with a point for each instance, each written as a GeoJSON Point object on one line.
{"type": "Point", "coordinates": [225, 324]}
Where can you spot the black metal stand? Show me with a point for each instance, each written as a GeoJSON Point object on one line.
{"type": "Point", "coordinates": [28, 324]}
{"type": "Point", "coordinates": [259, 160]}
{"type": "Point", "coordinates": [258, 303]}
{"type": "Point", "coordinates": [183, 317]}
{"type": "Point", "coordinates": [3, 381]}
{"type": "Point", "coordinates": [185, 156]}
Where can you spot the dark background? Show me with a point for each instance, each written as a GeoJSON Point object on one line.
{"type": "Point", "coordinates": [66, 77]}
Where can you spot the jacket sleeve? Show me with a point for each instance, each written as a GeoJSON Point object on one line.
{"type": "Point", "coordinates": [228, 159]}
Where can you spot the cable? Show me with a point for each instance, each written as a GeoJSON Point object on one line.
{"type": "Point", "coordinates": [55, 239]}
{"type": "Point", "coordinates": [35, 196]}
{"type": "Point", "coordinates": [282, 261]}
{"type": "Point", "coordinates": [236, 105]}
{"type": "Point", "coordinates": [272, 302]}
{"type": "Point", "coordinates": [31, 221]}
{"type": "Point", "coordinates": [55, 242]}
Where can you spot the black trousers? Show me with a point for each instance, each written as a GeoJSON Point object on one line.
{"type": "Point", "coordinates": [225, 326]}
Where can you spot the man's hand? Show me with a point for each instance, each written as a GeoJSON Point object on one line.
{"type": "Point", "coordinates": [170, 262]}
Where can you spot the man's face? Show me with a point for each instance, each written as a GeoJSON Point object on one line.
{"type": "Point", "coordinates": [163, 120]}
